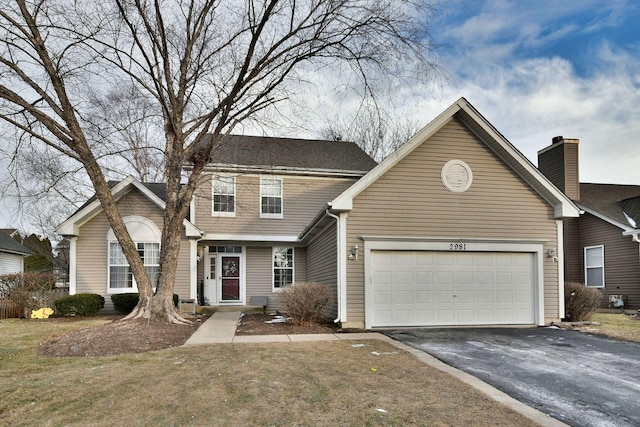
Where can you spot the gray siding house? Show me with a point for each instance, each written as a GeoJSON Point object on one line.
{"type": "Point", "coordinates": [456, 227]}
{"type": "Point", "coordinates": [602, 246]}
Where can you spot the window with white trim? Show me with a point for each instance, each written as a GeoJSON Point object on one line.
{"type": "Point", "coordinates": [223, 194]}
{"type": "Point", "coordinates": [594, 266]}
{"type": "Point", "coordinates": [120, 276]}
{"type": "Point", "coordinates": [282, 267]}
{"type": "Point", "coordinates": [270, 198]}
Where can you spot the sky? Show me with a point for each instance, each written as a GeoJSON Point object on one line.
{"type": "Point", "coordinates": [544, 68]}
{"type": "Point", "coordinates": [536, 69]}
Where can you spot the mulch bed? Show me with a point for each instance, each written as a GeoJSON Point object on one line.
{"type": "Point", "coordinates": [255, 324]}
{"type": "Point", "coordinates": [116, 337]}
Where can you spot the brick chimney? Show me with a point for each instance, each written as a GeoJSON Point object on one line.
{"type": "Point", "coordinates": [559, 163]}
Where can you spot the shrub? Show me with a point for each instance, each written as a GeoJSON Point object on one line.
{"type": "Point", "coordinates": [31, 290]}
{"type": "Point", "coordinates": [125, 303]}
{"type": "Point", "coordinates": [79, 305]}
{"type": "Point", "coordinates": [581, 301]}
{"type": "Point", "coordinates": [305, 302]}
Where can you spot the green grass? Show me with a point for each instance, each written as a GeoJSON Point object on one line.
{"type": "Point", "coordinates": [325, 383]}
{"type": "Point", "coordinates": [617, 325]}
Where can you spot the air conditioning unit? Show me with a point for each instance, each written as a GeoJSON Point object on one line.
{"type": "Point", "coordinates": [616, 301]}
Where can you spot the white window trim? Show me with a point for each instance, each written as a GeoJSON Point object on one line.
{"type": "Point", "coordinates": [272, 215]}
{"type": "Point", "coordinates": [215, 213]}
{"type": "Point", "coordinates": [273, 268]}
{"type": "Point", "coordinates": [586, 267]}
{"type": "Point", "coordinates": [134, 285]}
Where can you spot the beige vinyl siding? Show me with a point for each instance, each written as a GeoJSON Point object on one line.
{"type": "Point", "coordinates": [621, 259]}
{"type": "Point", "coordinates": [322, 262]}
{"type": "Point", "coordinates": [303, 197]}
{"type": "Point", "coordinates": [411, 201]}
{"type": "Point", "coordinates": [259, 274]}
{"type": "Point", "coordinates": [92, 249]}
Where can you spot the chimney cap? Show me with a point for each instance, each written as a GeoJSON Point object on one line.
{"type": "Point", "coordinates": [556, 139]}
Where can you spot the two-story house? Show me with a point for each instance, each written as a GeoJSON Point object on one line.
{"type": "Point", "coordinates": [456, 227]}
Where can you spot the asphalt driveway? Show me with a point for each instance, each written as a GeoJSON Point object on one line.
{"type": "Point", "coordinates": [577, 378]}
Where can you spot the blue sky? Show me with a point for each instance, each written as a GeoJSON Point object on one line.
{"type": "Point", "coordinates": [537, 69]}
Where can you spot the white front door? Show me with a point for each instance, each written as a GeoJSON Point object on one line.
{"type": "Point", "coordinates": [224, 275]}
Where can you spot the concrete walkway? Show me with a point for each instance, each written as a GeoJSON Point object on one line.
{"type": "Point", "coordinates": [220, 328]}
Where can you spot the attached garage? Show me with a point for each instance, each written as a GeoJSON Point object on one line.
{"type": "Point", "coordinates": [456, 227]}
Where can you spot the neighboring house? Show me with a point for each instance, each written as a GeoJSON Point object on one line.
{"type": "Point", "coordinates": [456, 227]}
{"type": "Point", "coordinates": [602, 246]}
{"type": "Point", "coordinates": [12, 255]}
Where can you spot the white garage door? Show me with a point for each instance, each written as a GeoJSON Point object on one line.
{"type": "Point", "coordinates": [425, 288]}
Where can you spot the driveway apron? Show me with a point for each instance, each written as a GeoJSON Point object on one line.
{"type": "Point", "coordinates": [577, 378]}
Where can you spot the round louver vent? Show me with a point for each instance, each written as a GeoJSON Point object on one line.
{"type": "Point", "coordinates": [456, 176]}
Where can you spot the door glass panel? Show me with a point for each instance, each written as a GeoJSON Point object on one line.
{"type": "Point", "coordinates": [212, 268]}
{"type": "Point", "coordinates": [230, 278]}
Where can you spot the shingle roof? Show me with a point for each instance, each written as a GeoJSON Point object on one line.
{"type": "Point", "coordinates": [7, 244]}
{"type": "Point", "coordinates": [268, 152]}
{"type": "Point", "coordinates": [612, 201]}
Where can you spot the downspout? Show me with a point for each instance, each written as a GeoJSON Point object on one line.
{"type": "Point", "coordinates": [339, 263]}
{"type": "Point", "coordinates": [561, 304]}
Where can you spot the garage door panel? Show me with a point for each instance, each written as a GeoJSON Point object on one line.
{"type": "Point", "coordinates": [382, 278]}
{"type": "Point", "coordinates": [465, 297]}
{"type": "Point", "coordinates": [424, 297]}
{"type": "Point", "coordinates": [425, 317]}
{"type": "Point", "coordinates": [464, 278]}
{"type": "Point", "coordinates": [403, 297]}
{"type": "Point", "coordinates": [401, 278]}
{"type": "Point", "coordinates": [382, 297]}
{"type": "Point", "coordinates": [444, 278]}
{"type": "Point", "coordinates": [422, 288]}
{"type": "Point", "coordinates": [424, 277]}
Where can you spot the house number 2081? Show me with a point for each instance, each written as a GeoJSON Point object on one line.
{"type": "Point", "coordinates": [457, 246]}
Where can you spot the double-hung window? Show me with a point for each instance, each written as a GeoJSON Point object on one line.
{"type": "Point", "coordinates": [224, 196]}
{"type": "Point", "coordinates": [270, 198]}
{"type": "Point", "coordinates": [120, 276]}
{"type": "Point", "coordinates": [282, 267]}
{"type": "Point", "coordinates": [594, 266]}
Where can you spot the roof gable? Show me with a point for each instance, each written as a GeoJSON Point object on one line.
{"type": "Point", "coordinates": [487, 134]}
{"type": "Point", "coordinates": [155, 192]}
{"type": "Point", "coordinates": [282, 154]}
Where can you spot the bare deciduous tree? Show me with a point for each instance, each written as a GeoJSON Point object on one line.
{"type": "Point", "coordinates": [202, 67]}
{"type": "Point", "coordinates": [374, 130]}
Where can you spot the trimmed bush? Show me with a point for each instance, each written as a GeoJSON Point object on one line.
{"type": "Point", "coordinates": [79, 305]}
{"type": "Point", "coordinates": [580, 301]}
{"type": "Point", "coordinates": [125, 303]}
{"type": "Point", "coordinates": [305, 302]}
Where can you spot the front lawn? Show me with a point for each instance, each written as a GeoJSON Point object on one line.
{"type": "Point", "coordinates": [323, 383]}
{"type": "Point", "coordinates": [617, 326]}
